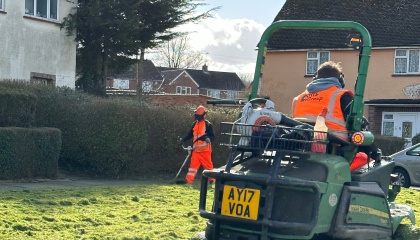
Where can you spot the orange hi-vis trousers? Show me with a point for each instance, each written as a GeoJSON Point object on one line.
{"type": "Point", "coordinates": [197, 159]}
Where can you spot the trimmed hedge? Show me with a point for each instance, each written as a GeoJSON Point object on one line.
{"type": "Point", "coordinates": [128, 138]}
{"type": "Point", "coordinates": [17, 107]}
{"type": "Point", "coordinates": [29, 152]}
{"type": "Point", "coordinates": [389, 145]}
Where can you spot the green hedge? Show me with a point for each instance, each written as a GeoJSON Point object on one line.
{"type": "Point", "coordinates": [128, 138]}
{"type": "Point", "coordinates": [29, 152]}
{"type": "Point", "coordinates": [120, 137]}
{"type": "Point", "coordinates": [416, 139]}
{"type": "Point", "coordinates": [389, 145]}
{"type": "Point", "coordinates": [17, 107]}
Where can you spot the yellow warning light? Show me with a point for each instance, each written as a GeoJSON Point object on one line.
{"type": "Point", "coordinates": [358, 138]}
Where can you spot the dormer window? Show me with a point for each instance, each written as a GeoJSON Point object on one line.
{"type": "Point", "coordinates": [42, 8]}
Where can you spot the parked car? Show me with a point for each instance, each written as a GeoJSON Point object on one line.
{"type": "Point", "coordinates": [407, 165]}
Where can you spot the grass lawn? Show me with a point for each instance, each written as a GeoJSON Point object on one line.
{"type": "Point", "coordinates": [144, 211]}
{"type": "Point", "coordinates": [147, 211]}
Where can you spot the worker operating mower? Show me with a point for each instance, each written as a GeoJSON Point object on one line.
{"type": "Point", "coordinates": [284, 180]}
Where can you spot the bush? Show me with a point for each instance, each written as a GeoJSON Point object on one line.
{"type": "Point", "coordinates": [120, 137]}
{"type": "Point", "coordinates": [17, 107]}
{"type": "Point", "coordinates": [29, 152]}
{"type": "Point", "coordinates": [416, 139]}
{"type": "Point", "coordinates": [389, 145]}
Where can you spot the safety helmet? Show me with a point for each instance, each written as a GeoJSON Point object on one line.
{"type": "Point", "coordinates": [200, 110]}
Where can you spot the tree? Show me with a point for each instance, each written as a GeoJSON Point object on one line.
{"type": "Point", "coordinates": [177, 53]}
{"type": "Point", "coordinates": [246, 78]}
{"type": "Point", "coordinates": [113, 31]}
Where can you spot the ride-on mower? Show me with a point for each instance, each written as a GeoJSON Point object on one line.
{"type": "Point", "coordinates": [275, 186]}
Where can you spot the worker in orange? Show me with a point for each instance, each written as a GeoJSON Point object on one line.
{"type": "Point", "coordinates": [326, 89]}
{"type": "Point", "coordinates": [202, 135]}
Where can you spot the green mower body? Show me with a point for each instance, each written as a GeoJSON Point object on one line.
{"type": "Point", "coordinates": [276, 187]}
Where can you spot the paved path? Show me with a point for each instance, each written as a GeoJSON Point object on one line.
{"type": "Point", "coordinates": [68, 181]}
{"type": "Point", "coordinates": [64, 183]}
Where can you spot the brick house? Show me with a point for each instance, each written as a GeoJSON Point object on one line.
{"type": "Point", "coordinates": [392, 93]}
{"type": "Point", "coordinates": [223, 85]}
{"type": "Point", "coordinates": [34, 48]}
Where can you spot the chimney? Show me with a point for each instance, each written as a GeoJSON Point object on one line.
{"type": "Point", "coordinates": [205, 68]}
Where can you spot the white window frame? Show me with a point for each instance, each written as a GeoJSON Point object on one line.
{"type": "Point", "coordinates": [122, 84]}
{"type": "Point", "coordinates": [409, 57]}
{"type": "Point", "coordinates": [213, 93]}
{"type": "Point", "coordinates": [1, 5]}
{"type": "Point", "coordinates": [317, 59]}
{"type": "Point", "coordinates": [32, 11]}
{"type": "Point", "coordinates": [147, 86]}
{"type": "Point", "coordinates": [232, 94]}
{"type": "Point", "coordinates": [182, 90]}
{"type": "Point", "coordinates": [390, 120]}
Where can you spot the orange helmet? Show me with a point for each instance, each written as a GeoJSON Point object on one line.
{"type": "Point", "coordinates": [200, 110]}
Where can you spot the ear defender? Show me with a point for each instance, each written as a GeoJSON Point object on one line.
{"type": "Point", "coordinates": [341, 80]}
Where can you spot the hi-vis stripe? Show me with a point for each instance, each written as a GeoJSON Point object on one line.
{"type": "Point", "coordinates": [367, 210]}
{"type": "Point", "coordinates": [331, 107]}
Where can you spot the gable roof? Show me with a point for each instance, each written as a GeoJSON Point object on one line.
{"type": "Point", "coordinates": [150, 72]}
{"type": "Point", "coordinates": [391, 23]}
{"type": "Point", "coordinates": [171, 75]}
{"type": "Point", "coordinates": [208, 79]}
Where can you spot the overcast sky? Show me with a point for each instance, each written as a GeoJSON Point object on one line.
{"type": "Point", "coordinates": [231, 36]}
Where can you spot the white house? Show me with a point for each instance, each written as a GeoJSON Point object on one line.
{"type": "Point", "coordinates": [34, 48]}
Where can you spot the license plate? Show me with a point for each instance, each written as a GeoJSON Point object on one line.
{"type": "Point", "coordinates": [240, 202]}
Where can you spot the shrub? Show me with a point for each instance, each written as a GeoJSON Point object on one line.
{"type": "Point", "coordinates": [416, 139]}
{"type": "Point", "coordinates": [17, 107]}
{"type": "Point", "coordinates": [29, 152]}
{"type": "Point", "coordinates": [389, 145]}
{"type": "Point", "coordinates": [120, 137]}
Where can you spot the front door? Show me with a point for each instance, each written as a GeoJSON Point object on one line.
{"type": "Point", "coordinates": [405, 127]}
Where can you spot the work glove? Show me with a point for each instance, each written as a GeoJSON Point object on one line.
{"type": "Point", "coordinates": [208, 140]}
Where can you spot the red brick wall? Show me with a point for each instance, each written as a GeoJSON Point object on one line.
{"type": "Point", "coordinates": [184, 81]}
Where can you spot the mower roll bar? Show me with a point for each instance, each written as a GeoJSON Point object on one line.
{"type": "Point", "coordinates": [356, 111]}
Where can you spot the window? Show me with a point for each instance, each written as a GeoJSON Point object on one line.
{"type": "Point", "coordinates": [407, 129]}
{"type": "Point", "coordinates": [314, 59]}
{"type": "Point", "coordinates": [1, 5]}
{"type": "Point", "coordinates": [407, 61]}
{"type": "Point", "coordinates": [232, 94]}
{"type": "Point", "coordinates": [147, 86]}
{"type": "Point", "coordinates": [183, 90]}
{"type": "Point", "coordinates": [388, 124]}
{"type": "Point", "coordinates": [121, 84]}
{"type": "Point", "coordinates": [213, 93]}
{"type": "Point", "coordinates": [414, 152]}
{"type": "Point", "coordinates": [42, 78]}
{"type": "Point", "coordinates": [42, 8]}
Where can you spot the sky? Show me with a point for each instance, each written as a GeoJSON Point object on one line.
{"type": "Point", "coordinates": [230, 37]}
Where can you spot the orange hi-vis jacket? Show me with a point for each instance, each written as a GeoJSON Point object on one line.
{"type": "Point", "coordinates": [309, 105]}
{"type": "Point", "coordinates": [198, 131]}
